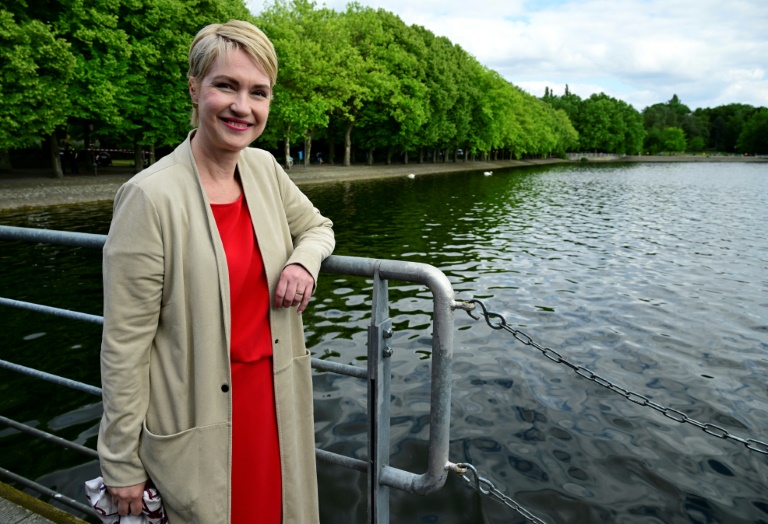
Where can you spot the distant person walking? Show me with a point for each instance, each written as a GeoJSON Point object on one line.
{"type": "Point", "coordinates": [73, 166]}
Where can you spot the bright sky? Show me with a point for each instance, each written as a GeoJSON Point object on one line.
{"type": "Point", "coordinates": [708, 52]}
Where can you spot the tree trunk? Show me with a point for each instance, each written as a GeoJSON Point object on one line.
{"type": "Point", "coordinates": [445, 155]}
{"type": "Point", "coordinates": [369, 160]}
{"type": "Point", "coordinates": [348, 145]}
{"type": "Point", "coordinates": [308, 135]}
{"type": "Point", "coordinates": [331, 150]}
{"type": "Point", "coordinates": [152, 154]}
{"type": "Point", "coordinates": [287, 152]}
{"type": "Point", "coordinates": [421, 155]}
{"type": "Point", "coordinates": [5, 161]}
{"type": "Point", "coordinates": [55, 160]}
{"type": "Point", "coordinates": [389, 156]}
{"type": "Point", "coordinates": [138, 156]}
{"type": "Point", "coordinates": [87, 153]}
{"type": "Point", "coordinates": [434, 155]}
{"type": "Point", "coordinates": [87, 128]}
{"type": "Point", "coordinates": [405, 157]}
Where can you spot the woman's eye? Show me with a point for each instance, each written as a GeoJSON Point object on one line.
{"type": "Point", "coordinates": [260, 94]}
{"type": "Point", "coordinates": [223, 85]}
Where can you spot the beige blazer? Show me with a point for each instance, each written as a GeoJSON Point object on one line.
{"type": "Point", "coordinates": [165, 348]}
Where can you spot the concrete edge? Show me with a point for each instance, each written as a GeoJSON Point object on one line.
{"type": "Point", "coordinates": [37, 506]}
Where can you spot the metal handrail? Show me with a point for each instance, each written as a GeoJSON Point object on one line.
{"type": "Point", "coordinates": [379, 472]}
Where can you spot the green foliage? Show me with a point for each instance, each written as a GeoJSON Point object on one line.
{"type": "Point", "coordinates": [117, 69]}
{"type": "Point", "coordinates": [302, 99]}
{"type": "Point", "coordinates": [674, 113]}
{"type": "Point", "coordinates": [601, 122]}
{"type": "Point", "coordinates": [35, 69]}
{"type": "Point", "coordinates": [673, 139]}
{"type": "Point", "coordinates": [696, 144]}
{"type": "Point", "coordinates": [156, 103]}
{"type": "Point", "coordinates": [387, 85]}
{"type": "Point", "coordinates": [725, 125]}
{"type": "Point", "coordinates": [753, 138]}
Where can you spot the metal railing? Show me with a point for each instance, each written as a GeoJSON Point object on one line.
{"type": "Point", "coordinates": [381, 476]}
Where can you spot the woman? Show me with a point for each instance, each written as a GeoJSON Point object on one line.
{"type": "Point", "coordinates": [206, 380]}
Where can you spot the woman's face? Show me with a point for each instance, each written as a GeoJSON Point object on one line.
{"type": "Point", "coordinates": [233, 103]}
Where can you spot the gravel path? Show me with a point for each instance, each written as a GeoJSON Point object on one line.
{"type": "Point", "coordinates": [23, 190]}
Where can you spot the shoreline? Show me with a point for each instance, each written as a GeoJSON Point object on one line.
{"type": "Point", "coordinates": [25, 189]}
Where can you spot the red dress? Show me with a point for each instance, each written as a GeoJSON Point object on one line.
{"type": "Point", "coordinates": [256, 479]}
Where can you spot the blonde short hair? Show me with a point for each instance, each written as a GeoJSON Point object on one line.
{"type": "Point", "coordinates": [215, 40]}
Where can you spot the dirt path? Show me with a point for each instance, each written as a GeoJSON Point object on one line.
{"type": "Point", "coordinates": [21, 190]}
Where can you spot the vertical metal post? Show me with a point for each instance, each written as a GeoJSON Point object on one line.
{"type": "Point", "coordinates": [379, 375]}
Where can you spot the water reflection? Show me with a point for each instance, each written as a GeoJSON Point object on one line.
{"type": "Point", "coordinates": [651, 275]}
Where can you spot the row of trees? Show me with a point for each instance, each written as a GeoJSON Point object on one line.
{"type": "Point", "coordinates": [609, 125]}
{"type": "Point", "coordinates": [731, 128]}
{"type": "Point", "coordinates": [116, 70]}
{"type": "Point", "coordinates": [365, 75]}
{"type": "Point", "coordinates": [106, 68]}
{"type": "Point", "coordinates": [603, 123]}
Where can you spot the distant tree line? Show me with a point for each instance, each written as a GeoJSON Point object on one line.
{"type": "Point", "coordinates": [604, 124]}
{"type": "Point", "coordinates": [608, 125]}
{"type": "Point", "coordinates": [361, 81]}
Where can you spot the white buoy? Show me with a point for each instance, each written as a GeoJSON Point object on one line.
{"type": "Point", "coordinates": [411, 175]}
{"type": "Point", "coordinates": [488, 173]}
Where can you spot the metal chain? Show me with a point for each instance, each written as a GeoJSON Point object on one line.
{"type": "Point", "coordinates": [497, 321]}
{"type": "Point", "coordinates": [485, 487]}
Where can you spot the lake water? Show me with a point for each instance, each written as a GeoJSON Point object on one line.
{"type": "Point", "coordinates": [653, 276]}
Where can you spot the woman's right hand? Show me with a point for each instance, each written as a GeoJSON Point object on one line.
{"type": "Point", "coordinates": [129, 499]}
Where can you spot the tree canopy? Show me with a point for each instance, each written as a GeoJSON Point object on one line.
{"type": "Point", "coordinates": [116, 70]}
{"type": "Point", "coordinates": [753, 138]}
{"type": "Point", "coordinates": [35, 71]}
{"type": "Point", "coordinates": [604, 124]}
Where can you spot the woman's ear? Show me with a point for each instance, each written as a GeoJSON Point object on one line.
{"type": "Point", "coordinates": [193, 90]}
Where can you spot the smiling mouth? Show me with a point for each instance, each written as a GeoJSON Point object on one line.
{"type": "Point", "coordinates": [237, 124]}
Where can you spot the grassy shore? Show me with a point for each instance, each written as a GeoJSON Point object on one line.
{"type": "Point", "coordinates": [28, 189]}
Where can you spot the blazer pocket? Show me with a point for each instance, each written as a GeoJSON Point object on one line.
{"type": "Point", "coordinates": [186, 465]}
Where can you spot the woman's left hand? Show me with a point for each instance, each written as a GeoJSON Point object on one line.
{"type": "Point", "coordinates": [294, 288]}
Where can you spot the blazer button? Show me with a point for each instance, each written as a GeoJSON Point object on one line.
{"type": "Point", "coordinates": [225, 388]}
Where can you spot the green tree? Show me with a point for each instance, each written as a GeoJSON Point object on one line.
{"type": "Point", "coordinates": [754, 135]}
{"type": "Point", "coordinates": [594, 124]}
{"type": "Point", "coordinates": [303, 99]}
{"type": "Point", "coordinates": [156, 106]}
{"type": "Point", "coordinates": [725, 125]}
{"type": "Point", "coordinates": [102, 51]}
{"type": "Point", "coordinates": [634, 132]}
{"type": "Point", "coordinates": [449, 95]}
{"type": "Point", "coordinates": [393, 118]}
{"type": "Point", "coordinates": [696, 144]}
{"type": "Point", "coordinates": [570, 103]}
{"type": "Point", "coordinates": [364, 79]}
{"type": "Point", "coordinates": [673, 139]}
{"type": "Point", "coordinates": [36, 67]}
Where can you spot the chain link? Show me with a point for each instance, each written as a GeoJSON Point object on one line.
{"type": "Point", "coordinates": [497, 321]}
{"type": "Point", "coordinates": [485, 487]}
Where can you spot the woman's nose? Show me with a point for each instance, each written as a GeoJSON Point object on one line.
{"type": "Point", "coordinates": [240, 103]}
